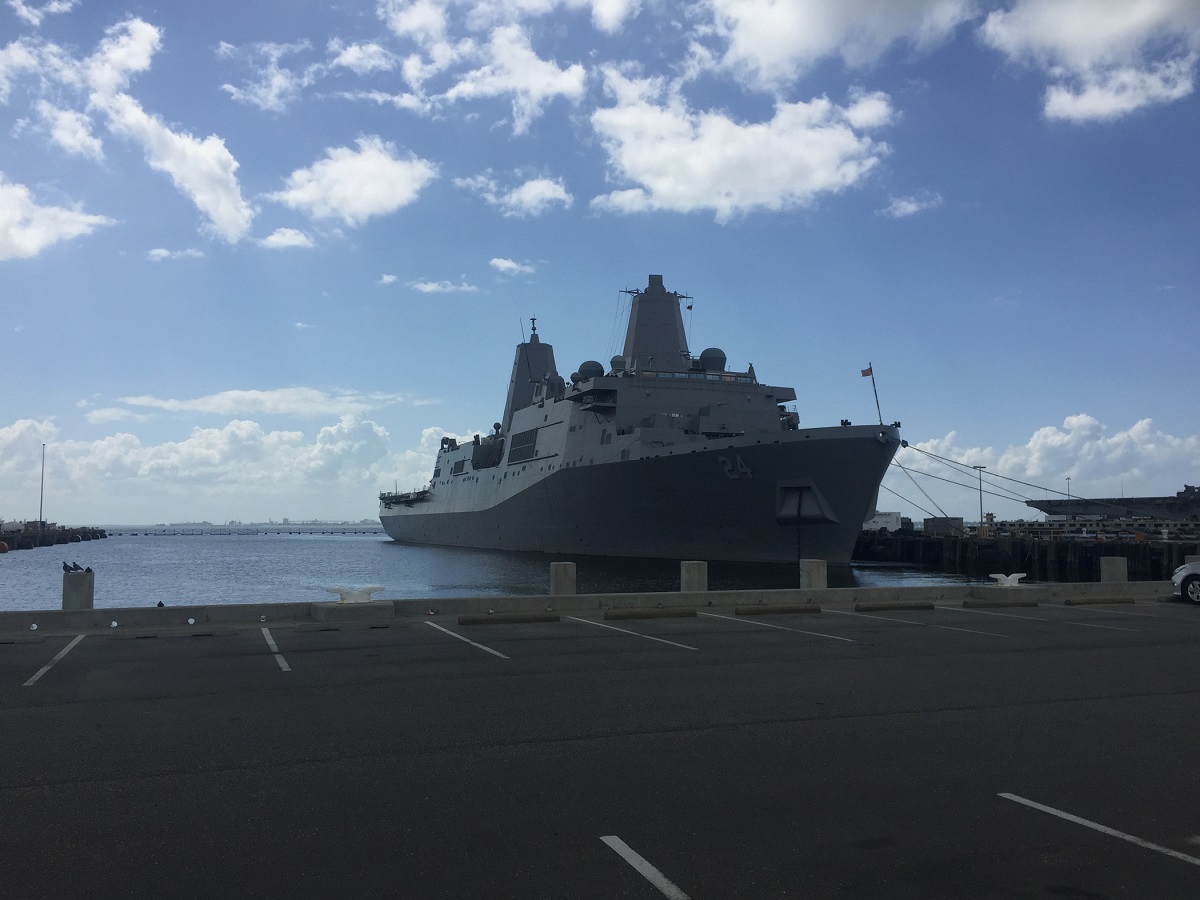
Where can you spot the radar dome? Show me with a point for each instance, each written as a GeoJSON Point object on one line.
{"type": "Point", "coordinates": [591, 369]}
{"type": "Point", "coordinates": [712, 360]}
{"type": "Point", "coordinates": [617, 364]}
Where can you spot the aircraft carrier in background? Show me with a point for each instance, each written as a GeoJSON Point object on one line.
{"type": "Point", "coordinates": [659, 455]}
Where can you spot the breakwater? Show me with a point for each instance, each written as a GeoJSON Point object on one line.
{"type": "Point", "coordinates": [1043, 559]}
{"type": "Point", "coordinates": [49, 537]}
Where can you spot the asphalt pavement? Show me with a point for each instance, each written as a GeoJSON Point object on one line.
{"type": "Point", "coordinates": [1022, 752]}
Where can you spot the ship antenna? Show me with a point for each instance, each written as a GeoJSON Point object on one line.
{"type": "Point", "coordinates": [533, 325]}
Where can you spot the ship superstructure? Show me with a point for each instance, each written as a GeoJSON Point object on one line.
{"type": "Point", "coordinates": [661, 454]}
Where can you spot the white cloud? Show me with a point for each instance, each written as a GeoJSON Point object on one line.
{"type": "Point", "coordinates": [530, 198]}
{"type": "Point", "coordinates": [354, 186]}
{"type": "Point", "coordinates": [282, 238]}
{"type": "Point", "coordinates": [18, 58]}
{"type": "Point", "coordinates": [271, 87]}
{"type": "Point", "coordinates": [299, 402]}
{"type": "Point", "coordinates": [203, 170]}
{"type": "Point", "coordinates": [512, 67]}
{"type": "Point", "coordinates": [26, 229]}
{"type": "Point", "coordinates": [33, 15]}
{"type": "Point", "coordinates": [903, 207]}
{"type": "Point", "coordinates": [1104, 58]}
{"type": "Point", "coordinates": [386, 279]}
{"type": "Point", "coordinates": [687, 161]}
{"type": "Point", "coordinates": [442, 287]}
{"type": "Point", "coordinates": [1139, 460]}
{"type": "Point", "coordinates": [510, 267]}
{"type": "Point", "coordinates": [304, 326]}
{"type": "Point", "coordinates": [769, 43]}
{"type": "Point", "coordinates": [70, 130]}
{"type": "Point", "coordinates": [114, 414]}
{"type": "Point", "coordinates": [362, 59]}
{"type": "Point", "coordinates": [127, 49]}
{"type": "Point", "coordinates": [159, 254]}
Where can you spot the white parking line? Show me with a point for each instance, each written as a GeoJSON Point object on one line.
{"type": "Point", "coordinates": [833, 637]}
{"type": "Point", "coordinates": [846, 612]}
{"type": "Point", "coordinates": [647, 871]}
{"type": "Point", "coordinates": [988, 612]}
{"type": "Point", "coordinates": [275, 649]}
{"type": "Point", "coordinates": [634, 633]}
{"type": "Point", "coordinates": [467, 640]}
{"type": "Point", "coordinates": [50, 665]}
{"type": "Point", "coordinates": [1103, 829]}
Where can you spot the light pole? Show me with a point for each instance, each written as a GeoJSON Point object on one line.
{"type": "Point", "coordinates": [1069, 516]}
{"type": "Point", "coordinates": [42, 490]}
{"type": "Point", "coordinates": [980, 469]}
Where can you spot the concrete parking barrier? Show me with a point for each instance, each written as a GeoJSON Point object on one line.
{"type": "Point", "coordinates": [886, 606]}
{"type": "Point", "coordinates": [774, 609]}
{"type": "Point", "coordinates": [507, 618]}
{"type": "Point", "coordinates": [667, 612]}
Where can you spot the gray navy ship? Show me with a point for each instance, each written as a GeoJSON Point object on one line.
{"type": "Point", "coordinates": [661, 455]}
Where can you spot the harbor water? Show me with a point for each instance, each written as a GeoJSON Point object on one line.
{"type": "Point", "coordinates": [141, 569]}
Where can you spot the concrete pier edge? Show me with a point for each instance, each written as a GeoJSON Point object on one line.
{"type": "Point", "coordinates": [175, 619]}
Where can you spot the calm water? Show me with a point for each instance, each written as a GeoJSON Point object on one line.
{"type": "Point", "coordinates": [140, 570]}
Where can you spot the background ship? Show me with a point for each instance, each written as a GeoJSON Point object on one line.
{"type": "Point", "coordinates": [662, 455]}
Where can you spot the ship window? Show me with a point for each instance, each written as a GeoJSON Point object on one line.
{"type": "Point", "coordinates": [458, 467]}
{"type": "Point", "coordinates": [523, 446]}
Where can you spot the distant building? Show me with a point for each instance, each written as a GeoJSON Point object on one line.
{"type": "Point", "coordinates": [884, 521]}
{"type": "Point", "coordinates": [945, 526]}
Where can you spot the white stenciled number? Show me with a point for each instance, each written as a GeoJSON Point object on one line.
{"type": "Point", "coordinates": [735, 468]}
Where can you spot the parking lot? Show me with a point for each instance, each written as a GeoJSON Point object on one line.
{"type": "Point", "coordinates": [1012, 752]}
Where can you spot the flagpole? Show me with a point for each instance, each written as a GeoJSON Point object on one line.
{"type": "Point", "coordinates": [871, 368]}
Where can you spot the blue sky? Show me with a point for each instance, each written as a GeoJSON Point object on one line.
{"type": "Point", "coordinates": [255, 259]}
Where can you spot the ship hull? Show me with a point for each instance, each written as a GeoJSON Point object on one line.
{"type": "Point", "coordinates": [735, 502]}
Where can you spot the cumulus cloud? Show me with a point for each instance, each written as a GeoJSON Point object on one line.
{"type": "Point", "coordinates": [386, 279]}
{"type": "Point", "coordinates": [355, 185]}
{"type": "Point", "coordinates": [26, 228]}
{"type": "Point", "coordinates": [298, 402]}
{"type": "Point", "coordinates": [1139, 460]}
{"type": "Point", "coordinates": [442, 287]}
{"type": "Point", "coordinates": [530, 198]}
{"type": "Point", "coordinates": [362, 59]}
{"type": "Point", "coordinates": [159, 254]}
{"type": "Point", "coordinates": [513, 68]}
{"type": "Point", "coordinates": [510, 267]}
{"type": "Point", "coordinates": [683, 160]}
{"type": "Point", "coordinates": [70, 130]}
{"type": "Point", "coordinates": [903, 207]}
{"type": "Point", "coordinates": [769, 44]}
{"type": "Point", "coordinates": [282, 238]}
{"type": "Point", "coordinates": [1105, 58]}
{"type": "Point", "coordinates": [34, 15]}
{"type": "Point", "coordinates": [202, 170]}
{"type": "Point", "coordinates": [271, 87]}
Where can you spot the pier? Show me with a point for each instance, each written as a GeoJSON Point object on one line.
{"type": "Point", "coordinates": [49, 536]}
{"type": "Point", "coordinates": [1067, 559]}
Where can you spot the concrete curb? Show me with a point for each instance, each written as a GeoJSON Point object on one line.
{"type": "Point", "coordinates": [381, 612]}
{"type": "Point", "coordinates": [1095, 601]}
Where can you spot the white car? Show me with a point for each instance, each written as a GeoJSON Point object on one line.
{"type": "Point", "coordinates": [1185, 583]}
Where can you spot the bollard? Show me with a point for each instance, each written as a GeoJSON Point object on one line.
{"type": "Point", "coordinates": [693, 575]}
{"type": "Point", "coordinates": [562, 578]}
{"type": "Point", "coordinates": [1114, 568]}
{"type": "Point", "coordinates": [813, 575]}
{"type": "Point", "coordinates": [79, 589]}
